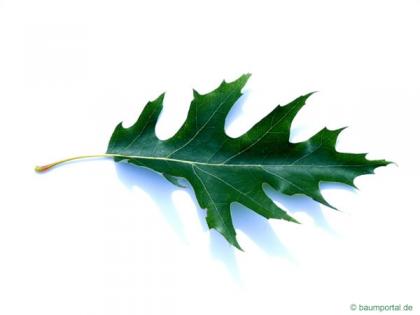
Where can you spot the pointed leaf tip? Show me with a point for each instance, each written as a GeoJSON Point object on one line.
{"type": "Point", "coordinates": [241, 81]}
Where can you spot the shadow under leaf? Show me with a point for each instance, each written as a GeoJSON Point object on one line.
{"type": "Point", "coordinates": [157, 187]}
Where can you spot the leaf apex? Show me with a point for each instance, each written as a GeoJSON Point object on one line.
{"type": "Point", "coordinates": [237, 246]}
{"type": "Point", "coordinates": [353, 184]}
{"type": "Point", "coordinates": [292, 219]}
{"type": "Point", "coordinates": [326, 203]}
{"type": "Point", "coordinates": [306, 96]}
{"type": "Point", "coordinates": [242, 80]}
{"type": "Point", "coordinates": [391, 162]}
{"type": "Point", "coordinates": [339, 130]}
{"type": "Point", "coordinates": [232, 240]}
{"type": "Point", "coordinates": [196, 94]}
{"type": "Point", "coordinates": [161, 97]}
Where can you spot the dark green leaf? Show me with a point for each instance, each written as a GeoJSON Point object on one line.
{"type": "Point", "coordinates": [223, 170]}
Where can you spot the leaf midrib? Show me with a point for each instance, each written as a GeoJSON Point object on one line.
{"type": "Point", "coordinates": [140, 157]}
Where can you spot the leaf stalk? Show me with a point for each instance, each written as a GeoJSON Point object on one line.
{"type": "Point", "coordinates": [46, 167]}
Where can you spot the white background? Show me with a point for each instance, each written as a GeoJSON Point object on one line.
{"type": "Point", "coordinates": [93, 237]}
